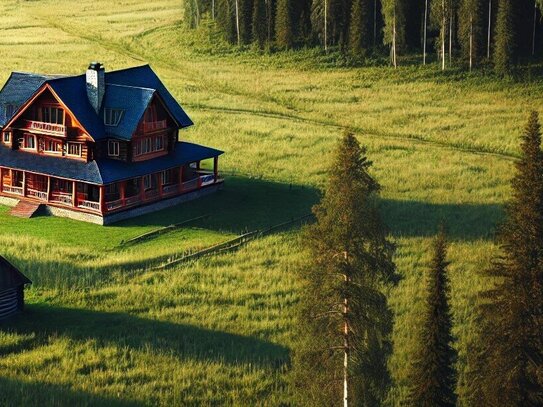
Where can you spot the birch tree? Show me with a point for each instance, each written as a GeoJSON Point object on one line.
{"type": "Point", "coordinates": [344, 322]}
{"type": "Point", "coordinates": [394, 30]}
{"type": "Point", "coordinates": [470, 32]}
{"type": "Point", "coordinates": [440, 11]}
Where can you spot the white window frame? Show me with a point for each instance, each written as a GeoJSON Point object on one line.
{"type": "Point", "coordinates": [113, 148]}
{"type": "Point", "coordinates": [29, 137]}
{"type": "Point", "coordinates": [112, 117]}
{"type": "Point", "coordinates": [147, 182]}
{"type": "Point", "coordinates": [56, 143]}
{"type": "Point", "coordinates": [79, 147]}
{"type": "Point", "coordinates": [6, 137]}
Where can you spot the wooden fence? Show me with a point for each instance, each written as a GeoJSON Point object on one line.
{"type": "Point", "coordinates": [236, 243]}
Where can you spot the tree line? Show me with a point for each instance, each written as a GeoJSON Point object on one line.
{"type": "Point", "coordinates": [470, 32]}
{"type": "Point", "coordinates": [344, 323]}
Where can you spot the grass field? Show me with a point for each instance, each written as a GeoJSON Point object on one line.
{"type": "Point", "coordinates": [102, 328]}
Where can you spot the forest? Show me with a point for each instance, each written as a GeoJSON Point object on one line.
{"type": "Point", "coordinates": [470, 33]}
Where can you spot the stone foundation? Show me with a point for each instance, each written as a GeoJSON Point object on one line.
{"type": "Point", "coordinates": [108, 219]}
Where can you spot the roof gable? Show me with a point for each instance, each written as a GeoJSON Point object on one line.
{"type": "Point", "coordinates": [10, 277]}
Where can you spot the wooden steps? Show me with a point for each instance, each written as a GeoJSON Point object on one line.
{"type": "Point", "coordinates": [25, 209]}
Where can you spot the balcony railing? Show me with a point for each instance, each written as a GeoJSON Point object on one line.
{"type": "Point", "coordinates": [190, 185]}
{"type": "Point", "coordinates": [47, 128]}
{"type": "Point", "coordinates": [114, 204]}
{"type": "Point", "coordinates": [152, 126]}
{"type": "Point", "coordinates": [13, 190]}
{"type": "Point", "coordinates": [207, 179]}
{"type": "Point", "coordinates": [89, 204]}
{"type": "Point", "coordinates": [170, 189]}
{"type": "Point", "coordinates": [61, 198]}
{"type": "Point", "coordinates": [133, 200]}
{"type": "Point", "coordinates": [36, 194]}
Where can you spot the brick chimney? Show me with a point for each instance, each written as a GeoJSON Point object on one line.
{"type": "Point", "coordinates": [96, 84]}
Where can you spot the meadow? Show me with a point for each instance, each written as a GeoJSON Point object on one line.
{"type": "Point", "coordinates": [102, 327]}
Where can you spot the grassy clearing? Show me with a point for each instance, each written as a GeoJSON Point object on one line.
{"type": "Point", "coordinates": [101, 329]}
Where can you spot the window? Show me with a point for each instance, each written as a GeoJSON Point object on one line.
{"type": "Point", "coordinates": [74, 149]}
{"type": "Point", "coordinates": [112, 117]}
{"type": "Point", "coordinates": [10, 109]}
{"type": "Point", "coordinates": [52, 115]}
{"type": "Point", "coordinates": [7, 137]}
{"type": "Point", "coordinates": [52, 146]}
{"type": "Point", "coordinates": [166, 177]}
{"type": "Point", "coordinates": [147, 182]}
{"type": "Point", "coordinates": [29, 142]}
{"type": "Point", "coordinates": [113, 148]}
{"type": "Point", "coordinates": [150, 145]}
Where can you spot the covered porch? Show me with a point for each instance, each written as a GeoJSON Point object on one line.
{"type": "Point", "coordinates": [112, 197]}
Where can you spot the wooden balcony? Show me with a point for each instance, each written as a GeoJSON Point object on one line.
{"type": "Point", "coordinates": [92, 205]}
{"type": "Point", "coordinates": [51, 129]}
{"type": "Point", "coordinates": [34, 193]}
{"type": "Point", "coordinates": [153, 126]}
{"type": "Point", "coordinates": [62, 198]}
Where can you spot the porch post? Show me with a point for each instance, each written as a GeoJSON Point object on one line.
{"type": "Point", "coordinates": [74, 194]}
{"type": "Point", "coordinates": [101, 190]}
{"type": "Point", "coordinates": [181, 179]}
{"type": "Point", "coordinates": [216, 168]}
{"type": "Point", "coordinates": [142, 189]}
{"type": "Point", "coordinates": [123, 192]}
{"type": "Point", "coordinates": [48, 188]}
{"type": "Point", "coordinates": [159, 183]}
{"type": "Point", "coordinates": [24, 183]}
{"type": "Point", "coordinates": [1, 179]}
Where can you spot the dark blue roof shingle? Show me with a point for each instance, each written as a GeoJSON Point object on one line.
{"type": "Point", "coordinates": [103, 171]}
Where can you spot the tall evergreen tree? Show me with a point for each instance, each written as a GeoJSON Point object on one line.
{"type": "Point", "coordinates": [505, 48]}
{"type": "Point", "coordinates": [432, 376]}
{"type": "Point", "coordinates": [284, 24]}
{"type": "Point", "coordinates": [513, 312]}
{"type": "Point", "coordinates": [344, 322]}
{"type": "Point", "coordinates": [260, 26]}
{"type": "Point", "coordinates": [360, 37]}
{"type": "Point", "coordinates": [394, 30]}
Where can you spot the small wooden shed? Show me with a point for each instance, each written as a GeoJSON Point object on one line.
{"type": "Point", "coordinates": [12, 283]}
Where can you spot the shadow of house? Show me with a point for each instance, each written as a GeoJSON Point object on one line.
{"type": "Point", "coordinates": [123, 330]}
{"type": "Point", "coordinates": [22, 393]}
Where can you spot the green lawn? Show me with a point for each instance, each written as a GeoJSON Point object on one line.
{"type": "Point", "coordinates": [102, 328]}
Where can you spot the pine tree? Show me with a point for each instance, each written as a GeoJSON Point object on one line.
{"type": "Point", "coordinates": [394, 30]}
{"type": "Point", "coordinates": [259, 22]}
{"type": "Point", "coordinates": [513, 311]}
{"type": "Point", "coordinates": [284, 24]}
{"type": "Point", "coordinates": [360, 28]}
{"type": "Point", "coordinates": [432, 376]}
{"type": "Point", "coordinates": [344, 321]}
{"type": "Point", "coordinates": [504, 52]}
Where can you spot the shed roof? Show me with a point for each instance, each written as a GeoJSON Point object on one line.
{"type": "Point", "coordinates": [103, 171]}
{"type": "Point", "coordinates": [10, 276]}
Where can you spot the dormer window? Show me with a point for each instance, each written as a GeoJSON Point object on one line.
{"type": "Point", "coordinates": [9, 109]}
{"type": "Point", "coordinates": [6, 137]}
{"type": "Point", "coordinates": [112, 117]}
{"type": "Point", "coordinates": [113, 148]}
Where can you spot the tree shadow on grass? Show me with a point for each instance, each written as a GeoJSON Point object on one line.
{"type": "Point", "coordinates": [465, 222]}
{"type": "Point", "coordinates": [32, 393]}
{"type": "Point", "coordinates": [40, 322]}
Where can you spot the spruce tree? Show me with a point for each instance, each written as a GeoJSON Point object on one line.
{"type": "Point", "coordinates": [259, 22]}
{"type": "Point", "coordinates": [513, 311]}
{"type": "Point", "coordinates": [432, 376]}
{"type": "Point", "coordinates": [504, 53]}
{"type": "Point", "coordinates": [360, 36]}
{"type": "Point", "coordinates": [284, 24]}
{"type": "Point", "coordinates": [342, 311]}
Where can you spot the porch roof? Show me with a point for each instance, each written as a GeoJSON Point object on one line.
{"type": "Point", "coordinates": [103, 171]}
{"type": "Point", "coordinates": [10, 277]}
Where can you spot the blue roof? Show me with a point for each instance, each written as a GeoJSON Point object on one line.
{"type": "Point", "coordinates": [144, 76]}
{"type": "Point", "coordinates": [17, 90]}
{"type": "Point", "coordinates": [133, 101]}
{"type": "Point", "coordinates": [103, 171]}
{"type": "Point", "coordinates": [128, 89]}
